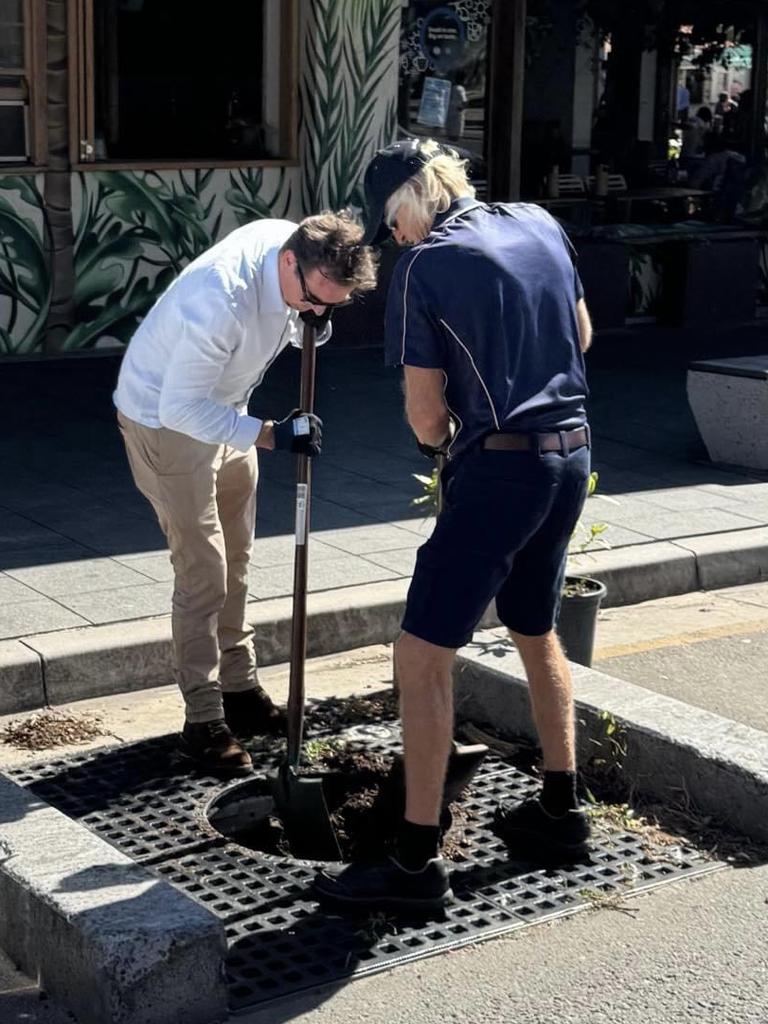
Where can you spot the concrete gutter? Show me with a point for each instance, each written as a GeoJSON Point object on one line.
{"type": "Point", "coordinates": [104, 937]}
{"type": "Point", "coordinates": [673, 749]}
{"type": "Point", "coordinates": [75, 664]}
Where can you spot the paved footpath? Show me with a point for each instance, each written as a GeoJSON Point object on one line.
{"type": "Point", "coordinates": [79, 546]}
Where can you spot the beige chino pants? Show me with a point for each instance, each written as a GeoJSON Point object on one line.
{"type": "Point", "coordinates": [204, 496]}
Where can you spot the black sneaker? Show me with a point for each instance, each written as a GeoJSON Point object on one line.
{"type": "Point", "coordinates": [251, 713]}
{"type": "Point", "coordinates": [212, 746]}
{"type": "Point", "coordinates": [386, 885]}
{"type": "Point", "coordinates": [529, 831]}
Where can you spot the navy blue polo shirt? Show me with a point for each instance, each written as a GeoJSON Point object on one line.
{"type": "Point", "coordinates": [489, 297]}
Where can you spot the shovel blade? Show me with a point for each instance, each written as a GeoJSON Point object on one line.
{"type": "Point", "coordinates": [300, 803]}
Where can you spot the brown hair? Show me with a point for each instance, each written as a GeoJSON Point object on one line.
{"type": "Point", "coordinates": [333, 244]}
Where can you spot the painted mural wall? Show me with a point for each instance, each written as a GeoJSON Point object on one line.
{"type": "Point", "coordinates": [135, 230]}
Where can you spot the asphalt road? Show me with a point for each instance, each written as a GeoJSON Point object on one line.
{"type": "Point", "coordinates": [707, 649]}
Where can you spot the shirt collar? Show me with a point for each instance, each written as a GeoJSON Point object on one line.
{"type": "Point", "coordinates": [272, 300]}
{"type": "Point", "coordinates": [456, 207]}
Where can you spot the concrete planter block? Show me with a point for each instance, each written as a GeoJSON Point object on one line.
{"type": "Point", "coordinates": [729, 401]}
{"type": "Point", "coordinates": [106, 938]}
{"type": "Point", "coordinates": [21, 678]}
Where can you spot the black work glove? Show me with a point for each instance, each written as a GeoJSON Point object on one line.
{"type": "Point", "coordinates": [300, 432]}
{"type": "Point", "coordinates": [317, 320]}
{"type": "Point", "coordinates": [431, 451]}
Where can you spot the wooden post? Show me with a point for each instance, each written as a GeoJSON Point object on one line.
{"type": "Point", "coordinates": [505, 108]}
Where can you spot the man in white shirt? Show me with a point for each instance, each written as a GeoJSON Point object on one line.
{"type": "Point", "coordinates": [182, 398]}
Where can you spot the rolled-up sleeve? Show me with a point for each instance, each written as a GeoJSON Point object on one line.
{"type": "Point", "coordinates": [210, 333]}
{"type": "Point", "coordinates": [412, 336]}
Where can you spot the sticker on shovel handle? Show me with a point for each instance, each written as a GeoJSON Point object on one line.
{"type": "Point", "coordinates": [301, 513]}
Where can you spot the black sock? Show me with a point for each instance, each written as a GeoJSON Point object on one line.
{"type": "Point", "coordinates": [558, 795]}
{"type": "Point", "coordinates": [416, 844]}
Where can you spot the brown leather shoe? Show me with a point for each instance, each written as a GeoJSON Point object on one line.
{"type": "Point", "coordinates": [251, 713]}
{"type": "Point", "coordinates": [212, 745]}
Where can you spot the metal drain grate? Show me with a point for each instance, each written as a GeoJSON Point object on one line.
{"type": "Point", "coordinates": [142, 799]}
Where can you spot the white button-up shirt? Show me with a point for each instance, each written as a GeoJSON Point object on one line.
{"type": "Point", "coordinates": [209, 339]}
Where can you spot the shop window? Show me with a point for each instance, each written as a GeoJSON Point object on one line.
{"type": "Point", "coordinates": [443, 72]}
{"type": "Point", "coordinates": [180, 81]}
{"type": "Point", "coordinates": [21, 127]}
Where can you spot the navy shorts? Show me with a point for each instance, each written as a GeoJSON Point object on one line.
{"type": "Point", "coordinates": [507, 519]}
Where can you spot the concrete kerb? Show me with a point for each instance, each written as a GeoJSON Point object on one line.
{"type": "Point", "coordinates": [76, 664]}
{"type": "Point", "coordinates": [673, 749]}
{"type": "Point", "coordinates": [104, 937]}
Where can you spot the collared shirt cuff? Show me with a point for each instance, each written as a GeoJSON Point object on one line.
{"type": "Point", "coordinates": [245, 433]}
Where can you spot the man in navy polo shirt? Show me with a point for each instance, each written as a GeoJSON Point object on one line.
{"type": "Point", "coordinates": [487, 316]}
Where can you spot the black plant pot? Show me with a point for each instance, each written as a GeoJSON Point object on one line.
{"type": "Point", "coordinates": [578, 616]}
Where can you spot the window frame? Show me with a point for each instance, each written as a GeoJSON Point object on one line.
{"type": "Point", "coordinates": [82, 133]}
{"type": "Point", "coordinates": [33, 92]}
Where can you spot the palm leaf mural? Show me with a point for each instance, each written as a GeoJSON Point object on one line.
{"type": "Point", "coordinates": [25, 278]}
{"type": "Point", "coordinates": [245, 196]}
{"type": "Point", "coordinates": [131, 226]}
{"type": "Point", "coordinates": [363, 81]}
{"type": "Point", "coordinates": [349, 50]}
{"type": "Point", "coordinates": [322, 97]}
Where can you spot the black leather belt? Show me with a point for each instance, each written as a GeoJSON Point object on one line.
{"type": "Point", "coordinates": [565, 441]}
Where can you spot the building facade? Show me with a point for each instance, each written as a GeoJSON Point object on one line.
{"type": "Point", "coordinates": [136, 133]}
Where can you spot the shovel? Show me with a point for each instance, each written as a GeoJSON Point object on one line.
{"type": "Point", "coordinates": [299, 797]}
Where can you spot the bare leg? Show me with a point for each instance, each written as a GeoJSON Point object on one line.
{"type": "Point", "coordinates": [551, 688]}
{"type": "Point", "coordinates": [426, 706]}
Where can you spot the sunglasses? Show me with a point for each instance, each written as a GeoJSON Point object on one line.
{"type": "Point", "coordinates": [313, 300]}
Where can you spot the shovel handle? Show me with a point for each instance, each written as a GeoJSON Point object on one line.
{"type": "Point", "coordinates": [296, 688]}
{"type": "Point", "coordinates": [440, 465]}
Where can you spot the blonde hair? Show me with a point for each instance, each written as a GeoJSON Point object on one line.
{"type": "Point", "coordinates": [432, 189]}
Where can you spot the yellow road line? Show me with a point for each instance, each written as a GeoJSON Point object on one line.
{"type": "Point", "coordinates": [680, 639]}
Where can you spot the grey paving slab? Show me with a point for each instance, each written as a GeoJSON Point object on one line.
{"type": "Point", "coordinates": [401, 561]}
{"type": "Point", "coordinates": [43, 615]}
{"type": "Point", "coordinates": [614, 536]}
{"type": "Point", "coordinates": [121, 603]}
{"type": "Point", "coordinates": [361, 540]}
{"type": "Point", "coordinates": [666, 525]}
{"type": "Point", "coordinates": [110, 532]}
{"type": "Point", "coordinates": [332, 515]}
{"type": "Point", "coordinates": [86, 574]}
{"type": "Point", "coordinates": [13, 592]}
{"type": "Point", "coordinates": [361, 493]}
{"type": "Point", "coordinates": [154, 565]}
{"type": "Point", "coordinates": [17, 533]}
{"type": "Point", "coordinates": [64, 551]}
{"type": "Point", "coordinates": [392, 509]}
{"type": "Point", "coordinates": [344, 571]}
{"type": "Point", "coordinates": [740, 491]}
{"type": "Point", "coordinates": [420, 525]}
{"type": "Point", "coordinates": [269, 551]}
{"type": "Point", "coordinates": [694, 498]}
{"type": "Point", "coordinates": [31, 491]}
